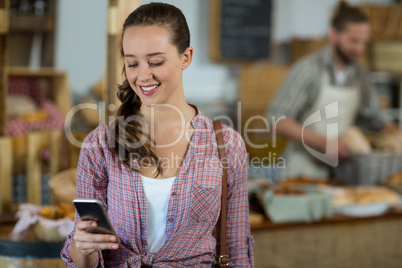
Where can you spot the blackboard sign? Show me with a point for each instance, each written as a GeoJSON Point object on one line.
{"type": "Point", "coordinates": [244, 29]}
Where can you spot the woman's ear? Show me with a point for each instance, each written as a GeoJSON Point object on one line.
{"type": "Point", "coordinates": [187, 57]}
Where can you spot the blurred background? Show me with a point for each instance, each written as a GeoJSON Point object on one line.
{"type": "Point", "coordinates": [60, 64]}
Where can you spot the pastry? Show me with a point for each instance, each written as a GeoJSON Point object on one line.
{"type": "Point", "coordinates": [396, 178]}
{"type": "Point", "coordinates": [388, 140]}
{"type": "Point", "coordinates": [51, 212]}
{"type": "Point", "coordinates": [356, 141]}
{"type": "Point", "coordinates": [301, 180]}
{"type": "Point", "coordinates": [361, 195]}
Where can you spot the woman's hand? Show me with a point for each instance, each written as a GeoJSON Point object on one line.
{"type": "Point", "coordinates": [87, 243]}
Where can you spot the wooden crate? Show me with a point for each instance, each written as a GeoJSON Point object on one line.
{"type": "Point", "coordinates": [4, 37]}
{"type": "Point", "coordinates": [258, 85]}
{"type": "Point", "coordinates": [300, 47]}
{"type": "Point", "coordinates": [386, 56]}
{"type": "Point", "coordinates": [57, 84]}
{"type": "Point", "coordinates": [118, 11]}
{"type": "Point", "coordinates": [33, 142]}
{"type": "Point", "coordinates": [3, 82]}
{"type": "Point", "coordinates": [27, 147]}
{"type": "Point", "coordinates": [26, 29]}
{"type": "Point", "coordinates": [385, 21]}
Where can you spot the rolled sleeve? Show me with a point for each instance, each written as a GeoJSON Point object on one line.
{"type": "Point", "coordinates": [65, 256]}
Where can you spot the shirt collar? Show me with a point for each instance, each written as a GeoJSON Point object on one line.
{"type": "Point", "coordinates": [200, 119]}
{"type": "Point", "coordinates": [328, 63]}
{"type": "Point", "coordinates": [199, 122]}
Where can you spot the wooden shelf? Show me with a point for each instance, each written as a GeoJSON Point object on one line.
{"type": "Point", "coordinates": [60, 91]}
{"type": "Point", "coordinates": [39, 72]}
{"type": "Point", "coordinates": [4, 50]}
{"type": "Point", "coordinates": [31, 23]}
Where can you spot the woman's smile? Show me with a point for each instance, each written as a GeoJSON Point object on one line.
{"type": "Point", "coordinates": [149, 90]}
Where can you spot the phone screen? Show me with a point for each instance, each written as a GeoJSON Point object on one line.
{"type": "Point", "coordinates": [92, 209]}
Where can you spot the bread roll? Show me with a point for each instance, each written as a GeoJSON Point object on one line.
{"type": "Point", "coordinates": [356, 141]}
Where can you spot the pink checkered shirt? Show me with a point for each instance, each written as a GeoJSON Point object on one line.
{"type": "Point", "coordinates": [194, 204]}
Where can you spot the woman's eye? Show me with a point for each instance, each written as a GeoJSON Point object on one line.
{"type": "Point", "coordinates": [132, 65]}
{"type": "Point", "coordinates": [156, 63]}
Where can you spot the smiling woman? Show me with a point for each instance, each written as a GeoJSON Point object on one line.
{"type": "Point", "coordinates": [156, 169]}
{"type": "Point", "coordinates": [155, 55]}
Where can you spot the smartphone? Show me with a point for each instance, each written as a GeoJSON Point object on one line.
{"type": "Point", "coordinates": [93, 209]}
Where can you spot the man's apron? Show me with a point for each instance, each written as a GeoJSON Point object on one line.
{"type": "Point", "coordinates": [299, 162]}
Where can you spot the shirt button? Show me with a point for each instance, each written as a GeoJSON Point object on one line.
{"type": "Point", "coordinates": [171, 220]}
{"type": "Point", "coordinates": [173, 193]}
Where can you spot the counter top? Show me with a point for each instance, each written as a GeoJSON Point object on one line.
{"type": "Point", "coordinates": [336, 219]}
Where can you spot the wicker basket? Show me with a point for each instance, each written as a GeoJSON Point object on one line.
{"type": "Point", "coordinates": [368, 169]}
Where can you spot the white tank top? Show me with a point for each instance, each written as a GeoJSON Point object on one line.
{"type": "Point", "coordinates": [157, 193]}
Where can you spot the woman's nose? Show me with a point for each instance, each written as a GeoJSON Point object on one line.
{"type": "Point", "coordinates": [144, 73]}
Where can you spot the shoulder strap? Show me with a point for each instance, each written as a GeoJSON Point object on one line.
{"type": "Point", "coordinates": [223, 260]}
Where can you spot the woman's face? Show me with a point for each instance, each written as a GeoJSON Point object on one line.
{"type": "Point", "coordinates": [153, 65]}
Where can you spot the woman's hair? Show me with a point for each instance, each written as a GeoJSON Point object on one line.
{"type": "Point", "coordinates": [346, 14]}
{"type": "Point", "coordinates": [129, 136]}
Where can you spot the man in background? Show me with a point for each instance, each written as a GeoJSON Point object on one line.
{"type": "Point", "coordinates": [333, 82]}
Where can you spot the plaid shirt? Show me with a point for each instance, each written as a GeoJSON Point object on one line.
{"type": "Point", "coordinates": [303, 84]}
{"type": "Point", "coordinates": [194, 204]}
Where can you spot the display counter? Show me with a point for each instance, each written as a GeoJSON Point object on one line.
{"type": "Point", "coordinates": [26, 254]}
{"type": "Point", "coordinates": [336, 242]}
{"type": "Point", "coordinates": [340, 241]}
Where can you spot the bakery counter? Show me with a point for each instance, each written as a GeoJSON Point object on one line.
{"type": "Point", "coordinates": [26, 254]}
{"type": "Point", "coordinates": [339, 241]}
